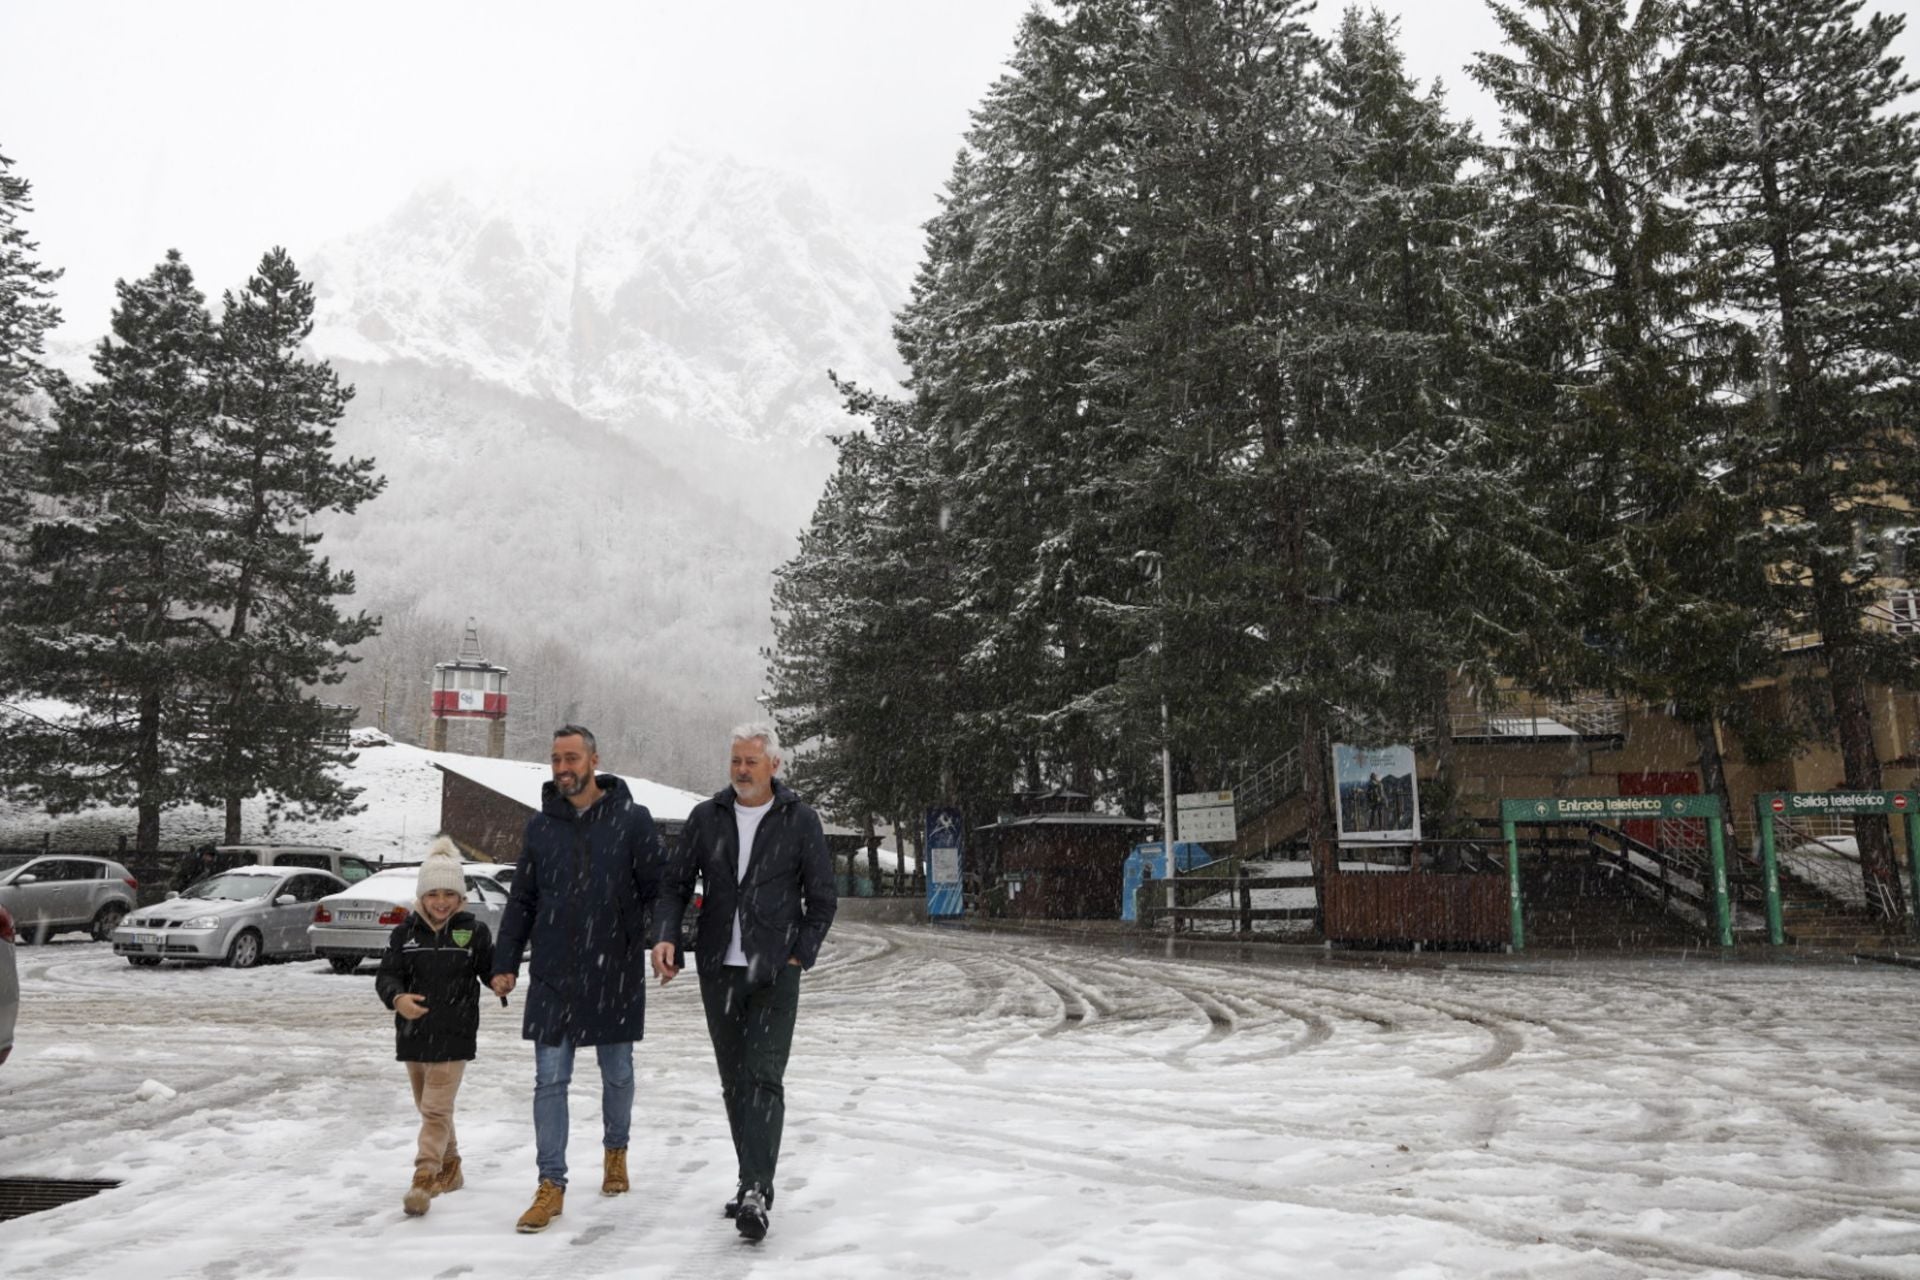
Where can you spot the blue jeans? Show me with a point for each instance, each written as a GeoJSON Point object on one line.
{"type": "Point", "coordinates": [552, 1073]}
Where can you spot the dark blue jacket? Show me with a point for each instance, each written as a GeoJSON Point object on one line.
{"type": "Point", "coordinates": [581, 896]}
{"type": "Point", "coordinates": [786, 900]}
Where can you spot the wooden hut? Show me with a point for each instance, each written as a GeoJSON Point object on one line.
{"type": "Point", "coordinates": [1062, 862]}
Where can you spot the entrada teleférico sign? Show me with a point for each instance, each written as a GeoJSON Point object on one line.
{"type": "Point", "coordinates": [1603, 807]}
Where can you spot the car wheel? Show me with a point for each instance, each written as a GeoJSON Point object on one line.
{"type": "Point", "coordinates": [107, 921]}
{"type": "Point", "coordinates": [143, 962]}
{"type": "Point", "coordinates": [245, 951]}
{"type": "Point", "coordinates": [343, 964]}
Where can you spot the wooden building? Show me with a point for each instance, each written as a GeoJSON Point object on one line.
{"type": "Point", "coordinates": [1067, 864]}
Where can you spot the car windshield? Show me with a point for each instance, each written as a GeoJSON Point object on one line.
{"type": "Point", "coordinates": [231, 888]}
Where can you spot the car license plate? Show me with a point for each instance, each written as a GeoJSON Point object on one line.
{"type": "Point", "coordinates": [146, 939]}
{"type": "Point", "coordinates": [357, 917]}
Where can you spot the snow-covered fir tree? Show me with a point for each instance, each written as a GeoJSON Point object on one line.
{"type": "Point", "coordinates": [27, 314]}
{"type": "Point", "coordinates": [1611, 355]}
{"type": "Point", "coordinates": [1810, 183]}
{"type": "Point", "coordinates": [259, 719]}
{"type": "Point", "coordinates": [112, 613]}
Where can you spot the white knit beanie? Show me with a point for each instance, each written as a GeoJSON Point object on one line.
{"type": "Point", "coordinates": [441, 869]}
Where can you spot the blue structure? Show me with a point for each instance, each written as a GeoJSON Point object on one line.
{"type": "Point", "coordinates": [1149, 862]}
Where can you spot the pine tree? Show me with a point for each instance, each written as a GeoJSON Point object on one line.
{"type": "Point", "coordinates": [1026, 266]}
{"type": "Point", "coordinates": [856, 672]}
{"type": "Point", "coordinates": [1611, 356]}
{"type": "Point", "coordinates": [27, 315]}
{"type": "Point", "coordinates": [261, 724]}
{"type": "Point", "coordinates": [111, 615]}
{"type": "Point", "coordinates": [1811, 186]}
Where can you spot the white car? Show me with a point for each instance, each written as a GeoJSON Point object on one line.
{"type": "Point", "coordinates": [354, 925]}
{"type": "Point", "coordinates": [239, 917]}
{"type": "Point", "coordinates": [9, 985]}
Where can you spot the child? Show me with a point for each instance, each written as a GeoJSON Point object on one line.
{"type": "Point", "coordinates": [431, 977]}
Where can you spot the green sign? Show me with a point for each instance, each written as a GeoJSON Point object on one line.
{"type": "Point", "coordinates": [1796, 804]}
{"type": "Point", "coordinates": [1593, 808]}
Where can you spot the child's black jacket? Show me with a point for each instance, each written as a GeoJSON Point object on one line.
{"type": "Point", "coordinates": [446, 969]}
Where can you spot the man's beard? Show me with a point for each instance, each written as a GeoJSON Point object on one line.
{"type": "Point", "coordinates": [578, 785]}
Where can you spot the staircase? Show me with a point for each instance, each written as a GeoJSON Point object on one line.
{"type": "Point", "coordinates": [1270, 806]}
{"type": "Point", "coordinates": [1577, 904]}
{"type": "Point", "coordinates": [1815, 920]}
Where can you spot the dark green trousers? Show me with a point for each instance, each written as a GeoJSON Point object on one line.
{"type": "Point", "coordinates": [752, 1031]}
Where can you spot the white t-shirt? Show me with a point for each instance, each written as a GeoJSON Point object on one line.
{"type": "Point", "coordinates": [746, 820]}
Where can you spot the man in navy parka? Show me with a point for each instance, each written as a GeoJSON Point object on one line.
{"type": "Point", "coordinates": [587, 877]}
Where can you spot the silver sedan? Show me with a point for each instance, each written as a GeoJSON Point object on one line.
{"type": "Point", "coordinates": [355, 924]}
{"type": "Point", "coordinates": [239, 917]}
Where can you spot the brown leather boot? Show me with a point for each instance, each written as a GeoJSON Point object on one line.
{"type": "Point", "coordinates": [547, 1203]}
{"type": "Point", "coordinates": [450, 1178]}
{"type": "Point", "coordinates": [420, 1194]}
{"type": "Point", "coordinates": [614, 1181]}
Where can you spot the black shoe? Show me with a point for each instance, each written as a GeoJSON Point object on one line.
{"type": "Point", "coordinates": [732, 1208]}
{"type": "Point", "coordinates": [751, 1220]}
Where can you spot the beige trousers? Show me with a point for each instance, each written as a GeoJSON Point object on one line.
{"type": "Point", "coordinates": [434, 1087]}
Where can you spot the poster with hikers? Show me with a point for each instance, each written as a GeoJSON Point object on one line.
{"type": "Point", "coordinates": [1376, 794]}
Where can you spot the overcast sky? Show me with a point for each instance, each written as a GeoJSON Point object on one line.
{"type": "Point", "coordinates": [222, 127]}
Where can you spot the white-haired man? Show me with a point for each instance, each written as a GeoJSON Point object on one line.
{"type": "Point", "coordinates": [769, 900]}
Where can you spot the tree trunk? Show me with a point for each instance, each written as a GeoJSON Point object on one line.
{"type": "Point", "coordinates": [899, 858]}
{"type": "Point", "coordinates": [1853, 720]}
{"type": "Point", "coordinates": [233, 820]}
{"type": "Point", "coordinates": [1444, 780]}
{"type": "Point", "coordinates": [147, 781]}
{"type": "Point", "coordinates": [1713, 766]}
{"type": "Point", "coordinates": [1316, 783]}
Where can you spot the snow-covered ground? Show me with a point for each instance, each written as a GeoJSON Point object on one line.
{"type": "Point", "coordinates": [965, 1104]}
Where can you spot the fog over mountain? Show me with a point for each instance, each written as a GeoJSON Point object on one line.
{"type": "Point", "coordinates": [602, 411]}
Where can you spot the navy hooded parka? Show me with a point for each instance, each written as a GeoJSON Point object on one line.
{"type": "Point", "coordinates": [582, 895]}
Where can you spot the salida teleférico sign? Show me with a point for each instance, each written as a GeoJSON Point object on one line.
{"type": "Point", "coordinates": [1793, 803]}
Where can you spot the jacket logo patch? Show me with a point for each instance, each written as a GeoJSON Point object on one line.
{"type": "Point", "coordinates": [461, 937]}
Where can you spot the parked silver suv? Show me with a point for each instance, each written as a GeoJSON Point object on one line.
{"type": "Point", "coordinates": [57, 893]}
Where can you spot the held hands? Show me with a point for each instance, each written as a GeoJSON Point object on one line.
{"type": "Point", "coordinates": [502, 983]}
{"type": "Point", "coordinates": [663, 966]}
{"type": "Point", "coordinates": [410, 1006]}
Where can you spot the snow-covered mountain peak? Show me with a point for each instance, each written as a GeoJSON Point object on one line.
{"type": "Point", "coordinates": [692, 295]}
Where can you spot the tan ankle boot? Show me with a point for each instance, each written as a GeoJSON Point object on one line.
{"type": "Point", "coordinates": [450, 1177]}
{"type": "Point", "coordinates": [420, 1194]}
{"type": "Point", "coordinates": [614, 1181]}
{"type": "Point", "coordinates": [547, 1203]}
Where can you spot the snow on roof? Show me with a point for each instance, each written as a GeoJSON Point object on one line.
{"type": "Point", "coordinates": [399, 806]}
{"type": "Point", "coordinates": [521, 781]}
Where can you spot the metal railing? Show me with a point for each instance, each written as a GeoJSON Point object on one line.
{"type": "Point", "coordinates": [1518, 718]}
{"type": "Point", "coordinates": [1269, 786]}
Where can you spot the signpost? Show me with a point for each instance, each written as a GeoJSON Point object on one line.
{"type": "Point", "coordinates": [945, 896]}
{"type": "Point", "coordinates": [1602, 808]}
{"type": "Point", "coordinates": [1774, 805]}
{"type": "Point", "coordinates": [1207, 816]}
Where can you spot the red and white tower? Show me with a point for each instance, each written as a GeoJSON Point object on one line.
{"type": "Point", "coordinates": [470, 688]}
